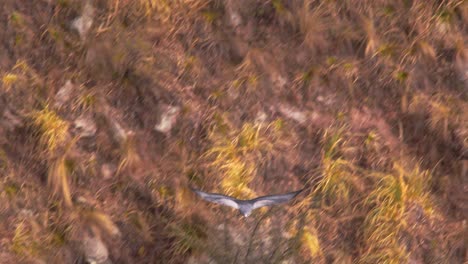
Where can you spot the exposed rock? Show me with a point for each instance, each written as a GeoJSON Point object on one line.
{"type": "Point", "coordinates": [261, 117]}
{"type": "Point", "coordinates": [83, 23]}
{"type": "Point", "coordinates": [287, 234]}
{"type": "Point", "coordinates": [118, 132]}
{"type": "Point", "coordinates": [325, 100]}
{"type": "Point", "coordinates": [279, 80]}
{"type": "Point", "coordinates": [95, 250]}
{"type": "Point", "coordinates": [288, 261]}
{"type": "Point", "coordinates": [292, 113]}
{"type": "Point", "coordinates": [64, 94]}
{"type": "Point", "coordinates": [320, 119]}
{"type": "Point", "coordinates": [85, 126]}
{"type": "Point", "coordinates": [232, 11]}
{"type": "Point", "coordinates": [26, 213]}
{"type": "Point", "coordinates": [168, 119]}
{"type": "Point", "coordinates": [235, 19]}
{"type": "Point", "coordinates": [108, 171]}
{"type": "Point", "coordinates": [82, 200]}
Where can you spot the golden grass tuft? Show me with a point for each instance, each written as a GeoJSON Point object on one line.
{"type": "Point", "coordinates": [236, 154]}
{"type": "Point", "coordinates": [9, 80]}
{"type": "Point", "coordinates": [58, 179]}
{"type": "Point", "coordinates": [310, 242]}
{"type": "Point", "coordinates": [386, 220]}
{"type": "Point", "coordinates": [167, 10]}
{"type": "Point", "coordinates": [23, 242]}
{"type": "Point", "coordinates": [338, 175]}
{"type": "Point", "coordinates": [149, 7]}
{"type": "Point", "coordinates": [239, 175]}
{"type": "Point", "coordinates": [52, 130]}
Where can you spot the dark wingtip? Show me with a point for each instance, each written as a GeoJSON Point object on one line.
{"type": "Point", "coordinates": [192, 188]}
{"type": "Point", "coordinates": [296, 193]}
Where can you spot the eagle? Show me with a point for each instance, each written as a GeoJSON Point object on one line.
{"type": "Point", "coordinates": [246, 206]}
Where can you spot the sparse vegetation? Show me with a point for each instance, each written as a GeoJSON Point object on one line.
{"type": "Point", "coordinates": [363, 103]}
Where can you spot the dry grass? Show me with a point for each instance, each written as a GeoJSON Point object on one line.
{"type": "Point", "coordinates": [188, 237]}
{"type": "Point", "coordinates": [23, 243]}
{"type": "Point", "coordinates": [58, 179]}
{"type": "Point", "coordinates": [99, 222]}
{"type": "Point", "coordinates": [130, 159]}
{"type": "Point", "coordinates": [311, 243]}
{"type": "Point", "coordinates": [8, 80]}
{"type": "Point", "coordinates": [52, 129]}
{"type": "Point", "coordinates": [385, 223]}
{"type": "Point", "coordinates": [236, 154]}
{"type": "Point", "coordinates": [339, 176]}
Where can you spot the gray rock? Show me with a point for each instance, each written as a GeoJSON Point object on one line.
{"type": "Point", "coordinates": [108, 171]}
{"type": "Point", "coordinates": [168, 119]}
{"type": "Point", "coordinates": [292, 113]}
{"type": "Point", "coordinates": [83, 23]}
{"type": "Point", "coordinates": [261, 118]}
{"type": "Point", "coordinates": [95, 250]}
{"type": "Point", "coordinates": [118, 132]}
{"type": "Point", "coordinates": [235, 19]}
{"type": "Point", "coordinates": [85, 126]}
{"type": "Point", "coordinates": [64, 94]}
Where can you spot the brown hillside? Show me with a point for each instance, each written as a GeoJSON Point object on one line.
{"type": "Point", "coordinates": [111, 109]}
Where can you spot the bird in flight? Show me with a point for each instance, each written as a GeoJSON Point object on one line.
{"type": "Point", "coordinates": [246, 206]}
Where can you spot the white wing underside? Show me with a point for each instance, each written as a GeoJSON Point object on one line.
{"type": "Point", "coordinates": [218, 198]}
{"type": "Point", "coordinates": [256, 203]}
{"type": "Point", "coordinates": [273, 199]}
{"type": "Point", "coordinates": [227, 202]}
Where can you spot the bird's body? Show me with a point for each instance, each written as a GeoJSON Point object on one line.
{"type": "Point", "coordinates": [247, 206]}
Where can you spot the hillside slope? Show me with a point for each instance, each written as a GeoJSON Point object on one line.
{"type": "Point", "coordinates": [111, 109]}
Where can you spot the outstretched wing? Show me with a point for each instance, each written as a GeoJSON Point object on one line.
{"type": "Point", "coordinates": [217, 198]}
{"type": "Point", "coordinates": [273, 199]}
